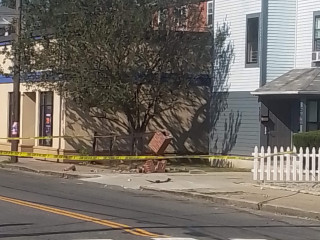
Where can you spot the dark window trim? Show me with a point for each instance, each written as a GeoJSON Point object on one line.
{"type": "Point", "coordinates": [253, 65]}
{"type": "Point", "coordinates": [264, 42]}
{"type": "Point", "coordinates": [213, 11]}
{"type": "Point", "coordinates": [318, 119]}
{"type": "Point", "coordinates": [315, 14]}
{"type": "Point", "coordinates": [42, 116]}
{"type": "Point", "coordinates": [180, 16]}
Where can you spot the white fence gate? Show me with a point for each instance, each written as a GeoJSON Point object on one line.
{"type": "Point", "coordinates": [288, 165]}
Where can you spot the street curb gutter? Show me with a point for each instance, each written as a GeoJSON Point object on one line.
{"type": "Point", "coordinates": [288, 189]}
{"type": "Point", "coordinates": [45, 172]}
{"type": "Point", "coordinates": [267, 207]}
{"type": "Point", "coordinates": [243, 203]}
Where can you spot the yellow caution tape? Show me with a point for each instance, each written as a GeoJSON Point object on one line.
{"type": "Point", "coordinates": [52, 137]}
{"type": "Point", "coordinates": [126, 158]}
{"type": "Point", "coordinates": [97, 158]}
{"type": "Point", "coordinates": [46, 137]}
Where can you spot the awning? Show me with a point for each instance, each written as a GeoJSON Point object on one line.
{"type": "Point", "coordinates": [294, 82]}
{"type": "Point", "coordinates": [5, 79]}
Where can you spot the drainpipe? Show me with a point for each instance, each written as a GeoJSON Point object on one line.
{"type": "Point", "coordinates": [264, 42]}
{"type": "Point", "coordinates": [210, 110]}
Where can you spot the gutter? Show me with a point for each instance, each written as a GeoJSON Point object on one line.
{"type": "Point", "coordinates": [285, 93]}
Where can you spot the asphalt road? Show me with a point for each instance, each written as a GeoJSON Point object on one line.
{"type": "Point", "coordinates": [40, 207]}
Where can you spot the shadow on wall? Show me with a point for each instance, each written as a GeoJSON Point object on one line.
{"type": "Point", "coordinates": [192, 121]}
{"type": "Point", "coordinates": [82, 122]}
{"type": "Point", "coordinates": [187, 122]}
{"type": "Point", "coordinates": [230, 134]}
{"type": "Point", "coordinates": [222, 55]}
{"type": "Point", "coordinates": [231, 129]}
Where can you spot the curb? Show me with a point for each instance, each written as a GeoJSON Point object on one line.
{"type": "Point", "coordinates": [45, 172]}
{"type": "Point", "coordinates": [271, 208]}
{"type": "Point", "coordinates": [289, 189]}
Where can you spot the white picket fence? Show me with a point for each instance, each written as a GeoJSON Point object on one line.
{"type": "Point", "coordinates": [288, 166]}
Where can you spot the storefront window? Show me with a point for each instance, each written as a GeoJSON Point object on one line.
{"type": "Point", "coordinates": [46, 116]}
{"type": "Point", "coordinates": [313, 115]}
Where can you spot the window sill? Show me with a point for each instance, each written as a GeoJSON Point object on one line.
{"type": "Point", "coordinates": [252, 65]}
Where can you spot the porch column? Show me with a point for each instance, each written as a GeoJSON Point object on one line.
{"type": "Point", "coordinates": [303, 115]}
{"type": "Point", "coordinates": [37, 122]}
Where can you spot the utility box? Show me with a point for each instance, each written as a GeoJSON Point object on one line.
{"type": "Point", "coordinates": [159, 142]}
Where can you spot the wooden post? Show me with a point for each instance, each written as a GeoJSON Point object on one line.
{"type": "Point", "coordinates": [307, 170]}
{"type": "Point", "coordinates": [255, 163]}
{"type": "Point", "coordinates": [301, 164]}
{"type": "Point", "coordinates": [262, 155]}
{"type": "Point", "coordinates": [281, 164]}
{"type": "Point", "coordinates": [275, 164]}
{"type": "Point", "coordinates": [269, 164]}
{"type": "Point", "coordinates": [294, 164]}
{"type": "Point", "coordinates": [288, 165]}
{"type": "Point", "coordinates": [318, 166]}
{"type": "Point", "coordinates": [313, 165]}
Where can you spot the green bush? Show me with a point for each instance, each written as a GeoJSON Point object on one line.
{"type": "Point", "coordinates": [307, 139]}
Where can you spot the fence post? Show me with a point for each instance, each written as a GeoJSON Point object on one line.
{"type": "Point", "coordinates": [275, 164]}
{"type": "Point", "coordinates": [294, 164]}
{"type": "Point", "coordinates": [288, 164]}
{"type": "Point", "coordinates": [262, 155]}
{"type": "Point", "coordinates": [281, 164]}
{"type": "Point", "coordinates": [301, 155]}
{"type": "Point", "coordinates": [313, 164]}
{"type": "Point", "coordinates": [269, 163]}
{"type": "Point", "coordinates": [307, 170]}
{"type": "Point", "coordinates": [255, 163]}
{"type": "Point", "coordinates": [318, 166]}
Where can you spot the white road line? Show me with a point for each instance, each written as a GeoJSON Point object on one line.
{"type": "Point", "coordinates": [246, 239]}
{"type": "Point", "coordinates": [174, 239]}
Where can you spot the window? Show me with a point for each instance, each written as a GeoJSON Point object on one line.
{"type": "Point", "coordinates": [162, 16]}
{"type": "Point", "coordinates": [313, 115]}
{"type": "Point", "coordinates": [46, 112]}
{"type": "Point", "coordinates": [180, 16]}
{"type": "Point", "coordinates": [210, 13]}
{"type": "Point", "coordinates": [317, 33]}
{"type": "Point", "coordinates": [252, 42]}
{"type": "Point", "coordinates": [10, 114]}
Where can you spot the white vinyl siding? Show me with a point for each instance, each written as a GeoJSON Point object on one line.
{"type": "Point", "coordinates": [244, 107]}
{"type": "Point", "coordinates": [235, 13]}
{"type": "Point", "coordinates": [305, 26]}
{"type": "Point", "coordinates": [281, 37]}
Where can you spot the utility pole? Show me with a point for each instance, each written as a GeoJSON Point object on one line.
{"type": "Point", "coordinates": [15, 128]}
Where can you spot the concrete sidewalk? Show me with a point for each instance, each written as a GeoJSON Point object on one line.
{"type": "Point", "coordinates": [230, 188]}
{"type": "Point", "coordinates": [52, 168]}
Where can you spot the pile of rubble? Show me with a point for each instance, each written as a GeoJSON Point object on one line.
{"type": "Point", "coordinates": [150, 166]}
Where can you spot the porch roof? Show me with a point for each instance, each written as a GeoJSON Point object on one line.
{"type": "Point", "coordinates": [295, 82]}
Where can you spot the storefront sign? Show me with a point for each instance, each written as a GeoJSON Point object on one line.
{"type": "Point", "coordinates": [14, 129]}
{"type": "Point", "coordinates": [48, 124]}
